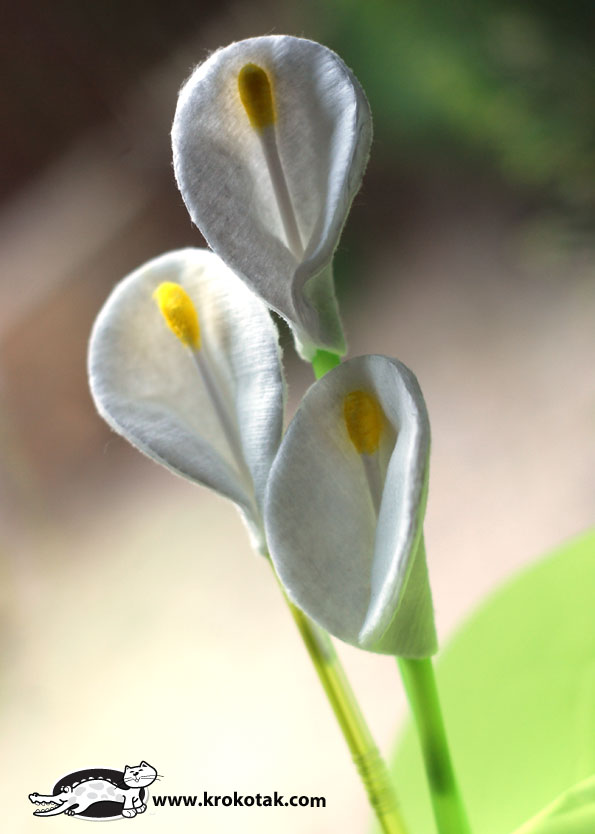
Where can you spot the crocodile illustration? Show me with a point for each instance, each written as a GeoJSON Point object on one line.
{"type": "Point", "coordinates": [98, 793]}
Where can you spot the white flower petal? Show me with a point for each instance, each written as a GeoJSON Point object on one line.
{"type": "Point", "coordinates": [361, 576]}
{"type": "Point", "coordinates": [323, 131]}
{"type": "Point", "coordinates": [147, 386]}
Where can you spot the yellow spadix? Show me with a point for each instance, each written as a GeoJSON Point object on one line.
{"type": "Point", "coordinates": [364, 419]}
{"type": "Point", "coordinates": [256, 94]}
{"type": "Point", "coordinates": [179, 312]}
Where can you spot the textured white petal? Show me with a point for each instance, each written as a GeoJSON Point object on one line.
{"type": "Point", "coordinates": [323, 133]}
{"type": "Point", "coordinates": [145, 382]}
{"type": "Point", "coordinates": [361, 576]}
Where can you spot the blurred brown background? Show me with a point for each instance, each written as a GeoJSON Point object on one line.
{"type": "Point", "coordinates": [135, 623]}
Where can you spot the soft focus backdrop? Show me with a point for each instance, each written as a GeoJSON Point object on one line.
{"type": "Point", "coordinates": [135, 623]}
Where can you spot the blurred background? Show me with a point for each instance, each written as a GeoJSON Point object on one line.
{"type": "Point", "coordinates": [135, 623]}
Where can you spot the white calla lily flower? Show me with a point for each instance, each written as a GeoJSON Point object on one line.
{"type": "Point", "coordinates": [184, 362]}
{"type": "Point", "coordinates": [270, 140]}
{"type": "Point", "coordinates": [345, 503]}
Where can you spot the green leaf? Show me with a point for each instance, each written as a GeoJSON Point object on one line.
{"type": "Point", "coordinates": [571, 813]}
{"type": "Point", "coordinates": [517, 685]}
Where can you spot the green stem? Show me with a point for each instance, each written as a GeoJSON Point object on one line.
{"type": "Point", "coordinates": [324, 361]}
{"type": "Point", "coordinates": [370, 765]}
{"type": "Point", "coordinates": [420, 685]}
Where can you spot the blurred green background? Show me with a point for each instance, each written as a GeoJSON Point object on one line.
{"type": "Point", "coordinates": [135, 623]}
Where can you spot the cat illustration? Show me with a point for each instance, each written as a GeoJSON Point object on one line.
{"type": "Point", "coordinates": [99, 793]}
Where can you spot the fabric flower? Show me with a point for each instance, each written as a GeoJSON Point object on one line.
{"type": "Point", "coordinates": [184, 362]}
{"type": "Point", "coordinates": [345, 503]}
{"type": "Point", "coordinates": [270, 140]}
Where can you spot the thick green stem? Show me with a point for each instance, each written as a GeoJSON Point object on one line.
{"type": "Point", "coordinates": [420, 685]}
{"type": "Point", "coordinates": [324, 361]}
{"type": "Point", "coordinates": [371, 767]}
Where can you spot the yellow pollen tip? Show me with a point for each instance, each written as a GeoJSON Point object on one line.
{"type": "Point", "coordinates": [364, 419]}
{"type": "Point", "coordinates": [257, 96]}
{"type": "Point", "coordinates": [179, 313]}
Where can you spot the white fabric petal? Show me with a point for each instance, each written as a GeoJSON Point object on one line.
{"type": "Point", "coordinates": [323, 131]}
{"type": "Point", "coordinates": [361, 576]}
{"type": "Point", "coordinates": [146, 384]}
